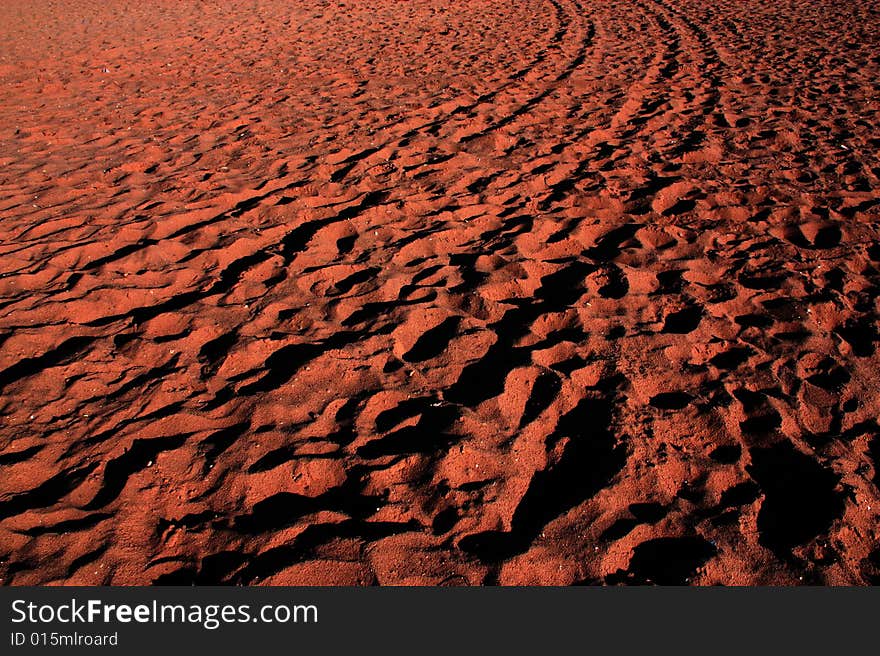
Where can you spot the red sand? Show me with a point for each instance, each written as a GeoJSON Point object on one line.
{"type": "Point", "coordinates": [425, 292]}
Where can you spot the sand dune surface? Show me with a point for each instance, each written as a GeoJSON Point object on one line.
{"type": "Point", "coordinates": [439, 293]}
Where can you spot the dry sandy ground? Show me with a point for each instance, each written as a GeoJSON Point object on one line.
{"type": "Point", "coordinates": [460, 292]}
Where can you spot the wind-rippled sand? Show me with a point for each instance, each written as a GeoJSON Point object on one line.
{"type": "Point", "coordinates": [462, 292]}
